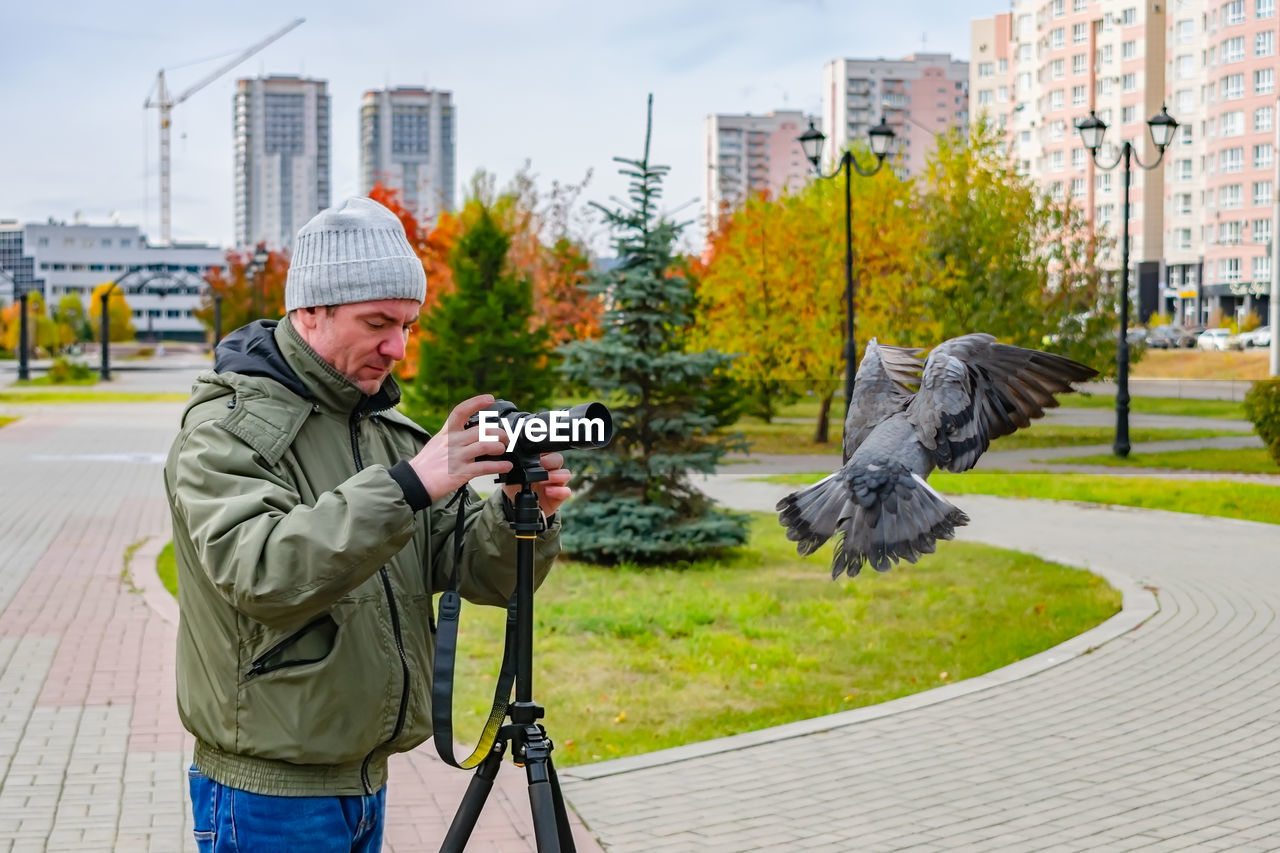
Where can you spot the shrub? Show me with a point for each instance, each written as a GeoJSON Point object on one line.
{"type": "Point", "coordinates": [1262, 406]}
{"type": "Point", "coordinates": [64, 370]}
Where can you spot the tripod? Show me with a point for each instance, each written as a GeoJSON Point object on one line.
{"type": "Point", "coordinates": [530, 745]}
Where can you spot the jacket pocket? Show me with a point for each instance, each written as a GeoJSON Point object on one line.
{"type": "Point", "coordinates": [311, 643]}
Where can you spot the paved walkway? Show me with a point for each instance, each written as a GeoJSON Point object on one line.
{"type": "Point", "coordinates": [1164, 736]}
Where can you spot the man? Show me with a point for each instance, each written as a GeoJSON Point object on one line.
{"type": "Point", "coordinates": [312, 524]}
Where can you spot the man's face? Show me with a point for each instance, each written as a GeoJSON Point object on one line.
{"type": "Point", "coordinates": [363, 340]}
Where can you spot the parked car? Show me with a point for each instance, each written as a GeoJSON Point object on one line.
{"type": "Point", "coordinates": [1162, 337]}
{"type": "Point", "coordinates": [1259, 337]}
{"type": "Point", "coordinates": [1187, 336]}
{"type": "Point", "coordinates": [1213, 339]}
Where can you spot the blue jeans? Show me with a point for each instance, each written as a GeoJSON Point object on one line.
{"type": "Point", "coordinates": [228, 820]}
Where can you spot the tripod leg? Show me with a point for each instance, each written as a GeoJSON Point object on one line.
{"type": "Point", "coordinates": [550, 820]}
{"type": "Point", "coordinates": [562, 814]}
{"type": "Point", "coordinates": [464, 821]}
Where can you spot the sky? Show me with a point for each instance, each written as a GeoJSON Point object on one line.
{"type": "Point", "coordinates": [558, 84]}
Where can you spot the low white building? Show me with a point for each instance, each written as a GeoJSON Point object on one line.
{"type": "Point", "coordinates": [164, 283]}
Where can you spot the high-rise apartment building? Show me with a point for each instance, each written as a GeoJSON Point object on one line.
{"type": "Point", "coordinates": [407, 144]}
{"type": "Point", "coordinates": [919, 96]}
{"type": "Point", "coordinates": [747, 154]}
{"type": "Point", "coordinates": [282, 157]}
{"type": "Point", "coordinates": [1201, 222]}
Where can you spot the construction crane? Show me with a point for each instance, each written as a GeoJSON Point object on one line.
{"type": "Point", "coordinates": [165, 104]}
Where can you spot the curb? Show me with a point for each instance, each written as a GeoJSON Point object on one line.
{"type": "Point", "coordinates": [142, 571]}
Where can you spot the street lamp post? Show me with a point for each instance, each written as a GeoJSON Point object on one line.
{"type": "Point", "coordinates": [257, 273]}
{"type": "Point", "coordinates": [811, 141]}
{"type": "Point", "coordinates": [24, 338]}
{"type": "Point", "coordinates": [1092, 130]}
{"type": "Point", "coordinates": [104, 372]}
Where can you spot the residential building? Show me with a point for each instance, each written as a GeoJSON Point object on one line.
{"type": "Point", "coordinates": [747, 154]}
{"type": "Point", "coordinates": [57, 259]}
{"type": "Point", "coordinates": [407, 144]}
{"type": "Point", "coordinates": [282, 157]}
{"type": "Point", "coordinates": [919, 96]}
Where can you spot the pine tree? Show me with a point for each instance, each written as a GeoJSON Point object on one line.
{"type": "Point", "coordinates": [479, 337]}
{"type": "Point", "coordinates": [634, 500]}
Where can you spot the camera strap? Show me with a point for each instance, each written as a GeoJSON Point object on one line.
{"type": "Point", "coordinates": [446, 651]}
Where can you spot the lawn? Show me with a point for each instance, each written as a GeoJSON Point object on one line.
{"type": "Point", "coordinates": [630, 660]}
{"type": "Point", "coordinates": [1225, 409]}
{"type": "Point", "coordinates": [44, 396]}
{"type": "Point", "coordinates": [1194, 364]}
{"type": "Point", "coordinates": [167, 569]}
{"type": "Point", "coordinates": [1247, 460]}
{"type": "Point", "coordinates": [1246, 501]}
{"type": "Point", "coordinates": [796, 438]}
{"type": "Point", "coordinates": [4, 420]}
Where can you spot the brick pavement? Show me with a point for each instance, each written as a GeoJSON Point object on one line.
{"type": "Point", "coordinates": [92, 754]}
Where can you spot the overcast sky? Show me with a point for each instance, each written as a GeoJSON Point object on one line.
{"type": "Point", "coordinates": [560, 83]}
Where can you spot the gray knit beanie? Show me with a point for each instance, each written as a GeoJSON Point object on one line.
{"type": "Point", "coordinates": [355, 251]}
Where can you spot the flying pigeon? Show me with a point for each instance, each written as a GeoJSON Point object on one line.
{"type": "Point", "coordinates": [907, 417]}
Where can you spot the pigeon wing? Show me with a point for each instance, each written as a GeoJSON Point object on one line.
{"type": "Point", "coordinates": [973, 390]}
{"type": "Point", "coordinates": [886, 377]}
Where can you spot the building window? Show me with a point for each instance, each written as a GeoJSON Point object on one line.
{"type": "Point", "coordinates": [1233, 13]}
{"type": "Point", "coordinates": [1079, 96]}
{"type": "Point", "coordinates": [1229, 269]}
{"type": "Point", "coordinates": [1184, 100]}
{"type": "Point", "coordinates": [1056, 101]}
{"type": "Point", "coordinates": [1129, 50]}
{"type": "Point", "coordinates": [1128, 115]}
{"type": "Point", "coordinates": [1055, 161]}
{"type": "Point", "coordinates": [1002, 94]}
{"type": "Point", "coordinates": [1229, 233]}
{"type": "Point", "coordinates": [1260, 231]}
{"type": "Point", "coordinates": [986, 69]}
{"type": "Point", "coordinates": [1264, 81]}
{"type": "Point", "coordinates": [1129, 82]}
{"type": "Point", "coordinates": [1186, 31]}
{"type": "Point", "coordinates": [1077, 187]}
{"type": "Point", "coordinates": [1233, 49]}
{"type": "Point", "coordinates": [1182, 203]}
{"type": "Point", "coordinates": [1261, 193]}
{"type": "Point", "coordinates": [1057, 8]}
{"type": "Point", "coordinates": [1231, 160]}
{"type": "Point", "coordinates": [1002, 67]}
{"type": "Point", "coordinates": [1264, 43]}
{"type": "Point", "coordinates": [1232, 123]}
{"type": "Point", "coordinates": [1104, 55]}
{"type": "Point", "coordinates": [1182, 169]}
{"type": "Point", "coordinates": [1262, 119]}
{"type": "Point", "coordinates": [1262, 156]}
{"type": "Point", "coordinates": [1078, 156]}
{"type": "Point", "coordinates": [1102, 182]}
{"type": "Point", "coordinates": [1129, 17]}
{"type": "Point", "coordinates": [1079, 33]}
{"type": "Point", "coordinates": [1055, 190]}
{"type": "Point", "coordinates": [1079, 63]}
{"type": "Point", "coordinates": [1057, 38]}
{"type": "Point", "coordinates": [1264, 9]}
{"type": "Point", "coordinates": [1232, 87]}
{"type": "Point", "coordinates": [1230, 197]}
{"type": "Point", "coordinates": [1262, 268]}
{"type": "Point", "coordinates": [1056, 69]}
{"type": "Point", "coordinates": [1185, 67]}
{"type": "Point", "coordinates": [986, 97]}
{"type": "Point", "coordinates": [1078, 5]}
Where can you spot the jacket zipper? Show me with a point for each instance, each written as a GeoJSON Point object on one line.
{"type": "Point", "coordinates": [259, 665]}
{"type": "Point", "coordinates": [395, 624]}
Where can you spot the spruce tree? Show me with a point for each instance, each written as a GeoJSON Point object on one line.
{"type": "Point", "coordinates": [479, 338]}
{"type": "Point", "coordinates": [634, 500]}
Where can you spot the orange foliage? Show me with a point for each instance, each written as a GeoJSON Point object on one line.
{"type": "Point", "coordinates": [245, 297]}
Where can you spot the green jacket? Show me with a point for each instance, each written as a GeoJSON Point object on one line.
{"type": "Point", "coordinates": [308, 553]}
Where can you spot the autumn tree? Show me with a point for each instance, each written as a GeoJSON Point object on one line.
{"type": "Point", "coordinates": [774, 286]}
{"type": "Point", "coordinates": [119, 314]}
{"type": "Point", "coordinates": [43, 333]}
{"type": "Point", "coordinates": [72, 319]}
{"type": "Point", "coordinates": [479, 336]}
{"type": "Point", "coordinates": [635, 498]}
{"type": "Point", "coordinates": [246, 295]}
{"type": "Point", "coordinates": [1007, 260]}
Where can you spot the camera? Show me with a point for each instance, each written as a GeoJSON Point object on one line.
{"type": "Point", "coordinates": [587, 426]}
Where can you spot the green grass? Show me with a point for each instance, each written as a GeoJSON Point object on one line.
{"type": "Point", "coordinates": [167, 569]}
{"type": "Point", "coordinates": [91, 397]}
{"type": "Point", "coordinates": [630, 660]}
{"type": "Point", "coordinates": [4, 419]}
{"type": "Point", "coordinates": [797, 438]}
{"type": "Point", "coordinates": [1247, 460]}
{"type": "Point", "coordinates": [48, 382]}
{"type": "Point", "coordinates": [1225, 409]}
{"type": "Point", "coordinates": [1246, 501]}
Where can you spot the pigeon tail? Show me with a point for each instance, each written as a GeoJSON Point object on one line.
{"type": "Point", "coordinates": [812, 514]}
{"type": "Point", "coordinates": [904, 522]}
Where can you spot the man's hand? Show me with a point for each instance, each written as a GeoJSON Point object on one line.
{"type": "Point", "coordinates": [448, 460]}
{"type": "Point", "coordinates": [551, 492]}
